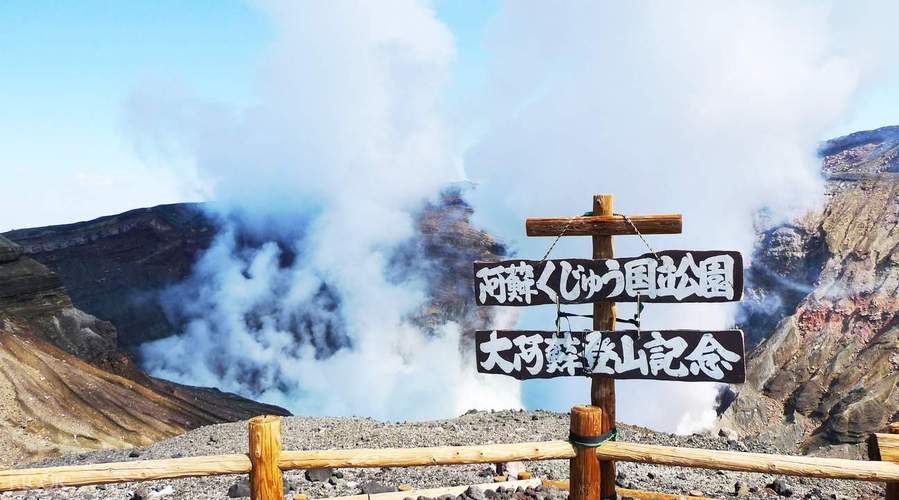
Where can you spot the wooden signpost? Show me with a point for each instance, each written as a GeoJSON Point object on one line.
{"type": "Point", "coordinates": [669, 276]}
{"type": "Point", "coordinates": [682, 355]}
{"type": "Point", "coordinates": [605, 354]}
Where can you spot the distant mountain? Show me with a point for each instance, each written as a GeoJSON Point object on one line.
{"type": "Point", "coordinates": [56, 281]}
{"type": "Point", "coordinates": [823, 304]}
{"type": "Point", "coordinates": [65, 385]}
{"type": "Point", "coordinates": [819, 309]}
{"type": "Point", "coordinates": [116, 266]}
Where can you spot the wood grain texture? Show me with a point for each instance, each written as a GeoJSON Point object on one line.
{"type": "Point", "coordinates": [604, 224]}
{"type": "Point", "coordinates": [602, 389]}
{"type": "Point", "coordinates": [141, 470]}
{"type": "Point", "coordinates": [147, 470]}
{"type": "Point", "coordinates": [266, 482]}
{"type": "Point", "coordinates": [442, 455]}
{"type": "Point", "coordinates": [888, 446]}
{"type": "Point", "coordinates": [586, 421]}
{"type": "Point", "coordinates": [789, 465]}
{"type": "Point", "coordinates": [563, 484]}
{"type": "Point", "coordinates": [437, 492]}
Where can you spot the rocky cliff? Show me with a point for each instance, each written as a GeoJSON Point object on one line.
{"type": "Point", "coordinates": [65, 385]}
{"type": "Point", "coordinates": [823, 304]}
{"type": "Point", "coordinates": [116, 267]}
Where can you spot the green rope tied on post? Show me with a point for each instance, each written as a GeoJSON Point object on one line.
{"type": "Point", "coordinates": [593, 442]}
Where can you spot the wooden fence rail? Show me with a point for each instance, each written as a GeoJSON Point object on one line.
{"type": "Point", "coordinates": [263, 489]}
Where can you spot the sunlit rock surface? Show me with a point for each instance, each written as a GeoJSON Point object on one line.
{"type": "Point", "coordinates": [824, 298]}
{"type": "Point", "coordinates": [65, 385]}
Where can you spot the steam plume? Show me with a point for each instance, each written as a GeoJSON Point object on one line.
{"type": "Point", "coordinates": [347, 142]}
{"type": "Point", "coordinates": [711, 109]}
{"type": "Point", "coordinates": [706, 108]}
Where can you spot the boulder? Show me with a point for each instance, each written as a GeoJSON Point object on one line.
{"type": "Point", "coordinates": [372, 487]}
{"type": "Point", "coordinates": [9, 250]}
{"type": "Point", "coordinates": [319, 475]}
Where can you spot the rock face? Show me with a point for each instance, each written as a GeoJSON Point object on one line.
{"type": "Point", "coordinates": [65, 385]}
{"type": "Point", "coordinates": [115, 267]}
{"type": "Point", "coordinates": [443, 250]}
{"type": "Point", "coordinates": [824, 299]}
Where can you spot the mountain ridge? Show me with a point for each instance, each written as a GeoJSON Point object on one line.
{"type": "Point", "coordinates": [65, 386]}
{"type": "Point", "coordinates": [827, 374]}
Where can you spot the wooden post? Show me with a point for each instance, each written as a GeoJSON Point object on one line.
{"type": "Point", "coordinates": [893, 488]}
{"type": "Point", "coordinates": [266, 482]}
{"type": "Point", "coordinates": [586, 421]}
{"type": "Point", "coordinates": [602, 389]}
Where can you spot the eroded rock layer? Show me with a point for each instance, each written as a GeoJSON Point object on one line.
{"type": "Point", "coordinates": [65, 386]}
{"type": "Point", "coordinates": [825, 289]}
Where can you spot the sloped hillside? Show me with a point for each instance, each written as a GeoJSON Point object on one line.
{"type": "Point", "coordinates": [828, 372]}
{"type": "Point", "coordinates": [65, 386]}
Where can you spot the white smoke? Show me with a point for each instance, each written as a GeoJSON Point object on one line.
{"type": "Point", "coordinates": [348, 139]}
{"type": "Point", "coordinates": [710, 109]}
{"type": "Point", "coordinates": [706, 108]}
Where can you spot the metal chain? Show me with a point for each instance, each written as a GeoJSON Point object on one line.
{"type": "Point", "coordinates": [639, 314]}
{"type": "Point", "coordinates": [562, 233]}
{"type": "Point", "coordinates": [626, 219]}
{"type": "Point", "coordinates": [559, 237]}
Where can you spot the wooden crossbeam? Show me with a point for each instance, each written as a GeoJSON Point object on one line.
{"type": "Point", "coordinates": [604, 225]}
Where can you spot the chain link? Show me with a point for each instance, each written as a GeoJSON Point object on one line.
{"type": "Point", "coordinates": [559, 237]}
{"type": "Point", "coordinates": [634, 226]}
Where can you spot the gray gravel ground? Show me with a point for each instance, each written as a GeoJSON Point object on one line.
{"type": "Point", "coordinates": [307, 433]}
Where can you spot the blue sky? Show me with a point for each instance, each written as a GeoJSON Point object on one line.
{"type": "Point", "coordinates": [67, 67]}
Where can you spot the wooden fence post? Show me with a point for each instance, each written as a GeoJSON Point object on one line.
{"type": "Point", "coordinates": [893, 488]}
{"type": "Point", "coordinates": [266, 482]}
{"type": "Point", "coordinates": [602, 389]}
{"type": "Point", "coordinates": [585, 482]}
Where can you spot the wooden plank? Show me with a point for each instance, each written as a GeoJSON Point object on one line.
{"type": "Point", "coordinates": [602, 388]}
{"type": "Point", "coordinates": [266, 482]}
{"type": "Point", "coordinates": [788, 465]}
{"type": "Point", "coordinates": [667, 277]}
{"type": "Point", "coordinates": [148, 470]}
{"type": "Point", "coordinates": [441, 455]}
{"type": "Point", "coordinates": [679, 355]}
{"type": "Point", "coordinates": [604, 225]}
{"type": "Point", "coordinates": [655, 495]}
{"type": "Point", "coordinates": [834, 468]}
{"type": "Point", "coordinates": [438, 492]}
{"type": "Point", "coordinates": [628, 492]}
{"type": "Point", "coordinates": [887, 447]}
{"type": "Point", "coordinates": [586, 422]}
{"type": "Point", "coordinates": [109, 473]}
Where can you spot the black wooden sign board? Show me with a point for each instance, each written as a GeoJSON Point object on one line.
{"type": "Point", "coordinates": [669, 276]}
{"type": "Point", "coordinates": [683, 355]}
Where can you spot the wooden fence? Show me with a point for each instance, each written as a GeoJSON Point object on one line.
{"type": "Point", "coordinates": [266, 461]}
